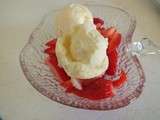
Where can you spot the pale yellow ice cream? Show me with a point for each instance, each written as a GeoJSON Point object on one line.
{"type": "Point", "coordinates": [70, 16]}
{"type": "Point", "coordinates": [80, 48]}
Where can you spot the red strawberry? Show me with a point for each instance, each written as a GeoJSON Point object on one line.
{"type": "Point", "coordinates": [122, 79]}
{"type": "Point", "coordinates": [113, 58]}
{"type": "Point", "coordinates": [59, 72]}
{"type": "Point", "coordinates": [114, 41]}
{"type": "Point", "coordinates": [61, 75]}
{"type": "Point", "coordinates": [51, 43]}
{"type": "Point", "coordinates": [98, 20]}
{"type": "Point", "coordinates": [98, 26]}
{"type": "Point", "coordinates": [99, 89]}
{"type": "Point", "coordinates": [87, 82]}
{"type": "Point", "coordinates": [68, 85]}
{"type": "Point", "coordinates": [49, 51]}
{"type": "Point", "coordinates": [102, 31]}
{"type": "Point", "coordinates": [51, 47]}
{"type": "Point", "coordinates": [107, 33]}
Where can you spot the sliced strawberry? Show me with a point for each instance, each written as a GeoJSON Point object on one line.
{"type": "Point", "coordinates": [68, 85]}
{"type": "Point", "coordinates": [87, 82]}
{"type": "Point", "coordinates": [61, 75]}
{"type": "Point", "coordinates": [51, 43]}
{"type": "Point", "coordinates": [51, 47]}
{"type": "Point", "coordinates": [59, 72]}
{"type": "Point", "coordinates": [112, 52]}
{"type": "Point", "coordinates": [97, 90]}
{"type": "Point", "coordinates": [103, 32]}
{"type": "Point", "coordinates": [122, 79]}
{"type": "Point", "coordinates": [107, 33]}
{"type": "Point", "coordinates": [100, 30]}
{"type": "Point", "coordinates": [98, 26]}
{"type": "Point", "coordinates": [53, 63]}
{"type": "Point", "coordinates": [110, 31]}
{"type": "Point", "coordinates": [49, 51]}
{"type": "Point", "coordinates": [113, 58]}
{"type": "Point", "coordinates": [97, 20]}
{"type": "Point", "coordinates": [114, 41]}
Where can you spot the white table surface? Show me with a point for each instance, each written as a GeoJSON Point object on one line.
{"type": "Point", "coordinates": [20, 101]}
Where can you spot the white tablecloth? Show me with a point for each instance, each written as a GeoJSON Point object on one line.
{"type": "Point", "coordinates": [20, 101]}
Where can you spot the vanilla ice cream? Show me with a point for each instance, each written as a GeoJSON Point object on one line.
{"type": "Point", "coordinates": [80, 48]}
{"type": "Point", "coordinates": [71, 16]}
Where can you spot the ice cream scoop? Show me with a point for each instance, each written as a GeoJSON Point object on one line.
{"type": "Point", "coordinates": [70, 16]}
{"type": "Point", "coordinates": [80, 48]}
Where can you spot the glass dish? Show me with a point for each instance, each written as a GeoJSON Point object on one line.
{"type": "Point", "coordinates": [32, 60]}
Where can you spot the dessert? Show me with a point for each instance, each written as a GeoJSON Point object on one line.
{"type": "Point", "coordinates": [83, 52]}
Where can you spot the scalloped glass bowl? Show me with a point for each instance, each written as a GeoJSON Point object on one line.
{"type": "Point", "coordinates": [32, 60]}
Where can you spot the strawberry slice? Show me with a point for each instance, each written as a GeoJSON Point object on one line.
{"type": "Point", "coordinates": [97, 20]}
{"type": "Point", "coordinates": [86, 82]}
{"type": "Point", "coordinates": [114, 42]}
{"type": "Point", "coordinates": [112, 52]}
{"type": "Point", "coordinates": [51, 43]}
{"type": "Point", "coordinates": [107, 33]}
{"type": "Point", "coordinates": [122, 79]}
{"type": "Point", "coordinates": [59, 72]}
{"type": "Point", "coordinates": [99, 89]}
{"type": "Point", "coordinates": [98, 26]}
{"type": "Point", "coordinates": [113, 58]}
{"type": "Point", "coordinates": [68, 85]}
{"type": "Point", "coordinates": [51, 47]}
{"type": "Point", "coordinates": [49, 51]}
{"type": "Point", "coordinates": [53, 63]}
{"type": "Point", "coordinates": [61, 75]}
{"type": "Point", "coordinates": [100, 30]}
